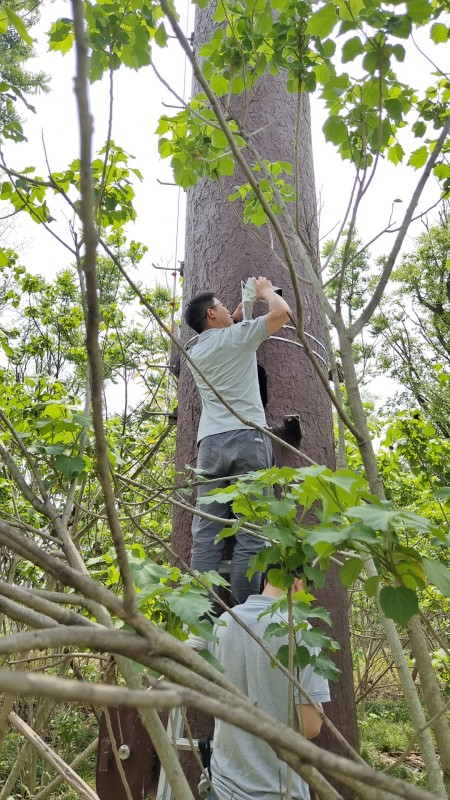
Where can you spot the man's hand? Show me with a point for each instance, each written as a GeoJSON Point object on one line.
{"type": "Point", "coordinates": [237, 316]}
{"type": "Point", "coordinates": [279, 310]}
{"type": "Point", "coordinates": [262, 287]}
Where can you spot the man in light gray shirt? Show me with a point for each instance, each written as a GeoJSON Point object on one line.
{"type": "Point", "coordinates": [226, 354]}
{"type": "Point", "coordinates": [244, 767]}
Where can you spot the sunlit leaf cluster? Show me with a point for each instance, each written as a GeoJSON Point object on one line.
{"type": "Point", "coordinates": [350, 522]}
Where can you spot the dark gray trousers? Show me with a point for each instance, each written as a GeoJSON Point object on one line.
{"type": "Point", "coordinates": [223, 455]}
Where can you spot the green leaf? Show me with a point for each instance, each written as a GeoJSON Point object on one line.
{"type": "Point", "coordinates": [322, 22]}
{"type": "Point", "coordinates": [226, 165]}
{"type": "Point", "coordinates": [7, 349]}
{"type": "Point", "coordinates": [54, 410]}
{"type": "Point", "coordinates": [370, 62]}
{"type": "Point", "coordinates": [394, 109]}
{"type": "Point", "coordinates": [207, 69]}
{"type": "Point", "coordinates": [328, 48]}
{"type": "Point", "coordinates": [189, 606]}
{"type": "Point", "coordinates": [442, 171]}
{"type": "Point", "coordinates": [161, 36]}
{"type": "Point", "coordinates": [326, 534]}
{"type": "Point", "coordinates": [335, 130]}
{"type": "Point", "coordinates": [438, 574]}
{"type": "Point", "coordinates": [378, 518]}
{"type": "Point", "coordinates": [345, 479]}
{"type": "Point", "coordinates": [69, 466]}
{"type": "Point", "coordinates": [274, 629]}
{"type": "Point", "coordinates": [415, 522]}
{"type": "Point", "coordinates": [350, 9]}
{"type": "Point", "coordinates": [283, 654]}
{"type": "Point", "coordinates": [352, 48]}
{"type": "Point", "coordinates": [399, 52]}
{"type": "Point", "coordinates": [325, 667]}
{"type": "Point", "coordinates": [419, 10]}
{"type": "Point", "coordinates": [263, 23]}
{"type": "Point", "coordinates": [319, 612]}
{"type": "Point", "coordinates": [18, 24]}
{"type": "Point", "coordinates": [146, 573]}
{"type": "Point", "coordinates": [61, 36]}
{"type": "Point", "coordinates": [219, 139]}
{"type": "Point", "coordinates": [350, 571]}
{"type": "Point", "coordinates": [280, 579]}
{"type": "Point", "coordinates": [219, 84]}
{"type": "Point", "coordinates": [400, 26]}
{"type": "Point", "coordinates": [399, 603]}
{"type": "Point", "coordinates": [5, 190]}
{"type": "Point", "coordinates": [82, 420]}
{"type": "Point", "coordinates": [3, 24]}
{"type": "Point", "coordinates": [439, 32]}
{"type": "Point", "coordinates": [282, 508]}
{"type": "Point", "coordinates": [54, 449]}
{"type": "Point", "coordinates": [419, 129]}
{"type": "Point", "coordinates": [220, 13]}
{"type": "Point", "coordinates": [278, 533]}
{"type": "Point", "coordinates": [97, 65]}
{"type": "Point", "coordinates": [237, 84]}
{"type": "Point", "coordinates": [315, 575]}
{"type": "Point", "coordinates": [419, 157]}
{"type": "Point", "coordinates": [371, 585]}
{"type": "Point", "coordinates": [225, 495]}
{"type": "Point", "coordinates": [165, 147]}
{"type": "Point", "coordinates": [396, 153]}
{"type": "Point", "coordinates": [314, 637]}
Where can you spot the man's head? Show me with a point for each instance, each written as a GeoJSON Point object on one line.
{"type": "Point", "coordinates": [206, 311]}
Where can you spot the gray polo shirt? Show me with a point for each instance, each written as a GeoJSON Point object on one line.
{"type": "Point", "coordinates": [244, 767]}
{"type": "Point", "coordinates": [227, 356]}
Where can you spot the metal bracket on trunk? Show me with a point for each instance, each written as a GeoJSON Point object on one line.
{"type": "Point", "coordinates": [290, 431]}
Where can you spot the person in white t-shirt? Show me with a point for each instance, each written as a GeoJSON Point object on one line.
{"type": "Point", "coordinates": [226, 354]}
{"type": "Point", "coordinates": [244, 767]}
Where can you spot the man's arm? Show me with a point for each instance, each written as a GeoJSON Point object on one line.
{"type": "Point", "coordinates": [279, 310]}
{"type": "Point", "coordinates": [237, 315]}
{"type": "Point", "coordinates": [309, 720]}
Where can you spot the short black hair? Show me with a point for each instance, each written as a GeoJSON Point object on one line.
{"type": "Point", "coordinates": [195, 314]}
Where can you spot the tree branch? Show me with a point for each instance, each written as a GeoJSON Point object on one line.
{"type": "Point", "coordinates": [371, 306]}
{"type": "Point", "coordinates": [247, 717]}
{"type": "Point", "coordinates": [87, 213]}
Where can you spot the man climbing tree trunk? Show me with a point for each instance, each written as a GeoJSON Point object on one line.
{"type": "Point", "coordinates": [222, 251]}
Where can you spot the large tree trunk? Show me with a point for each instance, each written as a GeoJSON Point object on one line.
{"type": "Point", "coordinates": [220, 252]}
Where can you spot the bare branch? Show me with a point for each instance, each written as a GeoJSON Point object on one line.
{"type": "Point", "coordinates": [78, 784]}
{"type": "Point", "coordinates": [371, 306]}
{"type": "Point", "coordinates": [87, 214]}
{"type": "Point", "coordinates": [51, 787]}
{"type": "Point", "coordinates": [245, 716]}
{"type": "Point", "coordinates": [42, 605]}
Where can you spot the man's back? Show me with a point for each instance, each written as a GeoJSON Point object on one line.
{"type": "Point", "coordinates": [227, 356]}
{"type": "Point", "coordinates": [243, 766]}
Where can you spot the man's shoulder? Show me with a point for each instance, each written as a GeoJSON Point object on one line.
{"type": "Point", "coordinates": [252, 332]}
{"type": "Point", "coordinates": [250, 610]}
{"type": "Point", "coordinates": [243, 335]}
{"type": "Point", "coordinates": [248, 324]}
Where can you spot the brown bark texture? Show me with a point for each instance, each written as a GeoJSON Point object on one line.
{"type": "Point", "coordinates": [220, 252]}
